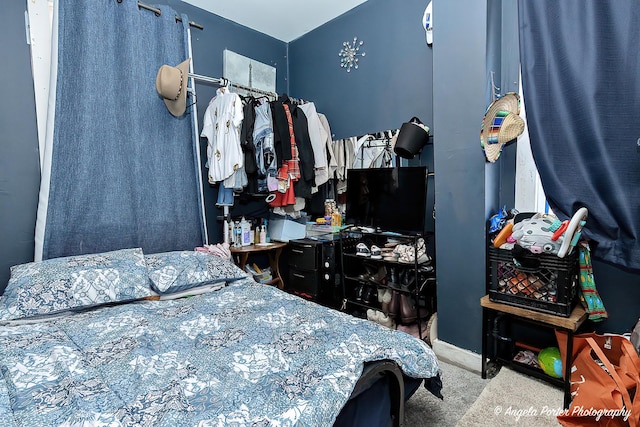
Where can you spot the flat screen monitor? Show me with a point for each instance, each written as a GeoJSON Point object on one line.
{"type": "Point", "coordinates": [388, 199]}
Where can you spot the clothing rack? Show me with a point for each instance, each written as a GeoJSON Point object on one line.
{"type": "Point", "coordinates": [383, 134]}
{"type": "Point", "coordinates": [221, 81]}
{"type": "Point", "coordinates": [225, 82]}
{"type": "Point", "coordinates": [158, 12]}
{"type": "Point", "coordinates": [297, 101]}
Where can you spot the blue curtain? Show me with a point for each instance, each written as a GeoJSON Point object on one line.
{"type": "Point", "coordinates": [580, 74]}
{"type": "Point", "coordinates": [124, 171]}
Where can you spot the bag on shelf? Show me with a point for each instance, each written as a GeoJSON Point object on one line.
{"type": "Point", "coordinates": [605, 381]}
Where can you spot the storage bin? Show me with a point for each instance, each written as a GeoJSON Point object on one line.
{"type": "Point", "coordinates": [284, 228]}
{"type": "Point", "coordinates": [538, 282]}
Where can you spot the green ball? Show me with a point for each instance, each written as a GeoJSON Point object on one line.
{"type": "Point", "coordinates": [550, 361]}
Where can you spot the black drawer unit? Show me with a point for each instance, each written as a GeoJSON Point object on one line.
{"type": "Point", "coordinates": [313, 273]}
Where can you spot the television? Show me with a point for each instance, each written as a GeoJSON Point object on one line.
{"type": "Point", "coordinates": [387, 199]}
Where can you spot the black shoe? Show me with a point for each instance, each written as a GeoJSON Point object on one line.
{"type": "Point", "coordinates": [379, 278]}
{"type": "Point", "coordinates": [369, 272]}
{"type": "Point", "coordinates": [370, 295]}
{"type": "Point", "coordinates": [359, 292]}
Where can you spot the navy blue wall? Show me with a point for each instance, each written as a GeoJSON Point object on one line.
{"type": "Point", "coordinates": [19, 161]}
{"type": "Point", "coordinates": [460, 81]}
{"type": "Point", "coordinates": [393, 81]}
{"type": "Point", "coordinates": [392, 84]}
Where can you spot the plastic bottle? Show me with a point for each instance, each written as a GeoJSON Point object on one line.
{"type": "Point", "coordinates": [263, 234]}
{"type": "Point", "coordinates": [245, 227]}
{"type": "Point", "coordinates": [237, 234]}
{"type": "Point", "coordinates": [266, 231]}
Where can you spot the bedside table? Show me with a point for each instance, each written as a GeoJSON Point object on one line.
{"type": "Point", "coordinates": [273, 251]}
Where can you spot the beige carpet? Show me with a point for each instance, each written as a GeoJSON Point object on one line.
{"type": "Point", "coordinates": [515, 399]}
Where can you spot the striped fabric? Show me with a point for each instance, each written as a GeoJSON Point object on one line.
{"type": "Point", "coordinates": [294, 163]}
{"type": "Point", "coordinates": [494, 130]}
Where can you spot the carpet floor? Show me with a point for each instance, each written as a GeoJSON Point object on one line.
{"type": "Point", "coordinates": [508, 399]}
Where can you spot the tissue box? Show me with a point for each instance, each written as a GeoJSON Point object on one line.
{"type": "Point", "coordinates": [284, 228]}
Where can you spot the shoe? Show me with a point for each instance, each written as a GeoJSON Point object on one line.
{"type": "Point", "coordinates": [409, 311]}
{"type": "Point", "coordinates": [394, 305]}
{"type": "Point", "coordinates": [392, 257]}
{"type": "Point", "coordinates": [385, 320]}
{"type": "Point", "coordinates": [363, 250]}
{"type": "Point", "coordinates": [409, 255]}
{"type": "Point", "coordinates": [400, 249]}
{"type": "Point", "coordinates": [379, 278]}
{"type": "Point", "coordinates": [396, 282]}
{"type": "Point", "coordinates": [369, 295]}
{"type": "Point", "coordinates": [384, 296]}
{"type": "Point", "coordinates": [409, 281]}
{"type": "Point", "coordinates": [392, 243]}
{"type": "Point", "coordinates": [375, 252]}
{"type": "Point", "coordinates": [359, 291]}
{"type": "Point", "coordinates": [380, 318]}
{"type": "Point", "coordinates": [370, 271]}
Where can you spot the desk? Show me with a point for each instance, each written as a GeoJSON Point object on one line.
{"type": "Point", "coordinates": [273, 251]}
{"type": "Point", "coordinates": [569, 324]}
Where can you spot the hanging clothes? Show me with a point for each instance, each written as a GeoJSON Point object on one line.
{"type": "Point", "coordinates": [344, 150]}
{"type": "Point", "coordinates": [372, 152]}
{"type": "Point", "coordinates": [246, 142]}
{"type": "Point", "coordinates": [280, 130]}
{"type": "Point", "coordinates": [266, 162]}
{"type": "Point", "coordinates": [291, 135]}
{"type": "Point", "coordinates": [221, 127]}
{"type": "Point", "coordinates": [318, 137]}
{"type": "Point", "coordinates": [332, 163]}
{"type": "Point", "coordinates": [246, 133]}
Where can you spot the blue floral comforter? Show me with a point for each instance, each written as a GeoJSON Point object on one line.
{"type": "Point", "coordinates": [247, 354]}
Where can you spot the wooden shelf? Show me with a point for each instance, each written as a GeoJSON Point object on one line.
{"type": "Point", "coordinates": [571, 323]}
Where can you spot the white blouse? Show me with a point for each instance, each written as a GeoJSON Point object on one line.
{"type": "Point", "coordinates": [222, 122]}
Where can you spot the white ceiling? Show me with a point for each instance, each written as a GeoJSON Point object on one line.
{"type": "Point", "coordinates": [284, 20]}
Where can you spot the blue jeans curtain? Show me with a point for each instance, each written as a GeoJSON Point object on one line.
{"type": "Point", "coordinates": [124, 171]}
{"type": "Point", "coordinates": [580, 66]}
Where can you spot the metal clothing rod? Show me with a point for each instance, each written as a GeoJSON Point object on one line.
{"type": "Point", "coordinates": [158, 12]}
{"type": "Point", "coordinates": [384, 134]}
{"type": "Point", "coordinates": [225, 82]}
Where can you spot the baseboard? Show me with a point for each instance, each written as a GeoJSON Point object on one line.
{"type": "Point", "coordinates": [457, 356]}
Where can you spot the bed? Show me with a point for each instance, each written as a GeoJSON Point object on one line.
{"type": "Point", "coordinates": [186, 338]}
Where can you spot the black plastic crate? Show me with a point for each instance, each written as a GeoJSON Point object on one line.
{"type": "Point", "coordinates": [539, 282]}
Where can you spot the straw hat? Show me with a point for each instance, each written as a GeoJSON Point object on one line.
{"type": "Point", "coordinates": [502, 123]}
{"type": "Point", "coordinates": [171, 84]}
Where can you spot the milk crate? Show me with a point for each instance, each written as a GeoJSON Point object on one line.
{"type": "Point", "coordinates": [539, 282]}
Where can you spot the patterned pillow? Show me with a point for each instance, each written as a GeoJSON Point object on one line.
{"type": "Point", "coordinates": [178, 271]}
{"type": "Point", "coordinates": [80, 281]}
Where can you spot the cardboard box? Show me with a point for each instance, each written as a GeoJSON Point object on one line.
{"type": "Point", "coordinates": [285, 228]}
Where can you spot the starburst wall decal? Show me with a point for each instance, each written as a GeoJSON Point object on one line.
{"type": "Point", "coordinates": [349, 54]}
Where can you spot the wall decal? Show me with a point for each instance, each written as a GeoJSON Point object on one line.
{"type": "Point", "coordinates": [349, 54]}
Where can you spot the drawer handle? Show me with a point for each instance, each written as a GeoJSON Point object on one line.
{"type": "Point", "coordinates": [298, 275]}
{"type": "Point", "coordinates": [298, 251]}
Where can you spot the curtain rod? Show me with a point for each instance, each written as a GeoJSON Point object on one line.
{"type": "Point", "coordinates": [225, 82]}
{"type": "Point", "coordinates": [158, 12]}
